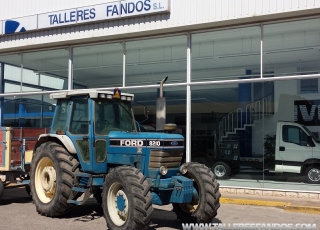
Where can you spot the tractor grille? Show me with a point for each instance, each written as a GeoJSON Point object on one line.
{"type": "Point", "coordinates": [169, 158]}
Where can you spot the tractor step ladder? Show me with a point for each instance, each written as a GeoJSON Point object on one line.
{"type": "Point", "coordinates": [81, 191]}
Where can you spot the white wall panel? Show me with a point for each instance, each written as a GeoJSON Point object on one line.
{"type": "Point", "coordinates": [20, 8]}
{"type": "Point", "coordinates": [184, 13]}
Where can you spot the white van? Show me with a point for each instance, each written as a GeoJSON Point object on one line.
{"type": "Point", "coordinates": [297, 151]}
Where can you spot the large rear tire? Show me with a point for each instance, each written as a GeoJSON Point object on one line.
{"type": "Point", "coordinates": [51, 179]}
{"type": "Point", "coordinates": [1, 189]}
{"type": "Point", "coordinates": [126, 199]}
{"type": "Point", "coordinates": [204, 208]}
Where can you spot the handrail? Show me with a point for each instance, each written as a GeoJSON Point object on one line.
{"type": "Point", "coordinates": [247, 107]}
{"type": "Point", "coordinates": [224, 124]}
{"type": "Point", "coordinates": [265, 106]}
{"type": "Point", "coordinates": [254, 110]}
{"type": "Point", "coordinates": [257, 111]}
{"type": "Point", "coordinates": [230, 130]}
{"type": "Point", "coordinates": [240, 118]}
{"type": "Point", "coordinates": [220, 130]}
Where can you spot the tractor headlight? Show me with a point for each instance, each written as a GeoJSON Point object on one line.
{"type": "Point", "coordinates": [183, 169]}
{"type": "Point", "coordinates": [163, 170]}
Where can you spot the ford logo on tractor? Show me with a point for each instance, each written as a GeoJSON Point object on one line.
{"type": "Point", "coordinates": [131, 142]}
{"type": "Point", "coordinates": [174, 143]}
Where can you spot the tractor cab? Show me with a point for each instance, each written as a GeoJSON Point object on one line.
{"type": "Point", "coordinates": [87, 118]}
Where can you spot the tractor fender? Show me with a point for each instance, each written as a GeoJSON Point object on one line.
{"type": "Point", "coordinates": [65, 140]}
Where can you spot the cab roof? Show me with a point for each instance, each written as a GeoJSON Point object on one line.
{"type": "Point", "coordinates": [91, 93]}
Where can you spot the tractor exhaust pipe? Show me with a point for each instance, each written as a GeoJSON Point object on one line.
{"type": "Point", "coordinates": [161, 108]}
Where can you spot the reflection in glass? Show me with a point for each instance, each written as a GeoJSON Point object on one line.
{"type": "Point", "coordinates": [31, 111]}
{"type": "Point", "coordinates": [227, 54]}
{"type": "Point", "coordinates": [98, 66]}
{"type": "Point", "coordinates": [149, 61]}
{"type": "Point", "coordinates": [292, 48]}
{"type": "Point", "coordinates": [48, 69]}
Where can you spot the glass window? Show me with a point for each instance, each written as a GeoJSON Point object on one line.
{"type": "Point", "coordinates": [28, 111]}
{"type": "Point", "coordinates": [43, 70]}
{"type": "Point", "coordinates": [98, 66]}
{"type": "Point", "coordinates": [113, 115]}
{"type": "Point", "coordinates": [52, 82]}
{"type": "Point", "coordinates": [227, 54]}
{"type": "Point", "coordinates": [79, 123]}
{"type": "Point", "coordinates": [294, 135]}
{"type": "Point", "coordinates": [235, 127]}
{"type": "Point", "coordinates": [46, 69]}
{"type": "Point", "coordinates": [291, 48]}
{"type": "Point", "coordinates": [101, 150]}
{"type": "Point", "coordinates": [146, 99]}
{"type": "Point", "coordinates": [222, 136]}
{"type": "Point", "coordinates": [308, 86]}
{"type": "Point", "coordinates": [149, 61]}
{"type": "Point", "coordinates": [61, 115]}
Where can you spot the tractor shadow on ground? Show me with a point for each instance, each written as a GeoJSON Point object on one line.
{"type": "Point", "coordinates": [16, 195]}
{"type": "Point", "coordinates": [162, 217]}
{"type": "Point", "coordinates": [90, 211]}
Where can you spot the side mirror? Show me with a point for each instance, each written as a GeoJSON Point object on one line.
{"type": "Point", "coordinates": [310, 142]}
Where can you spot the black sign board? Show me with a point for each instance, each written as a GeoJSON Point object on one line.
{"type": "Point", "coordinates": [307, 112]}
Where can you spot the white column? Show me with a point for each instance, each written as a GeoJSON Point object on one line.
{"type": "Point", "coordinates": [188, 124]}
{"type": "Point", "coordinates": [124, 64]}
{"type": "Point", "coordinates": [261, 52]}
{"type": "Point", "coordinates": [70, 69]}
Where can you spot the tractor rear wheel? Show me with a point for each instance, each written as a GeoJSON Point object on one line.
{"type": "Point", "coordinates": [1, 189]}
{"type": "Point", "coordinates": [51, 179]}
{"type": "Point", "coordinates": [126, 199]}
{"type": "Point", "coordinates": [203, 207]}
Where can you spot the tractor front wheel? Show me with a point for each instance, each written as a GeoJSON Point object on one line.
{"type": "Point", "coordinates": [205, 203]}
{"type": "Point", "coordinates": [1, 189]}
{"type": "Point", "coordinates": [126, 199]}
{"type": "Point", "coordinates": [51, 179]}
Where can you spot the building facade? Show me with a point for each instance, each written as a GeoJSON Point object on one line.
{"type": "Point", "coordinates": [236, 69]}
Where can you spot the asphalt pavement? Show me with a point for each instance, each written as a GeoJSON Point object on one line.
{"type": "Point", "coordinates": [18, 212]}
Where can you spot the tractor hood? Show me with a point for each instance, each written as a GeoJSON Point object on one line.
{"type": "Point", "coordinates": [147, 151]}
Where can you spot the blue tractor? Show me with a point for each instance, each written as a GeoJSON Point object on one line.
{"type": "Point", "coordinates": [93, 148]}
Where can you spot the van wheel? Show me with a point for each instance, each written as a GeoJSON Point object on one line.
{"type": "Point", "coordinates": [313, 174]}
{"type": "Point", "coordinates": [221, 170]}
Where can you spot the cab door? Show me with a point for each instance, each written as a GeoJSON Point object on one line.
{"type": "Point", "coordinates": [294, 148]}
{"type": "Point", "coordinates": [79, 131]}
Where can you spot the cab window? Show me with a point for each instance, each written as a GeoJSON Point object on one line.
{"type": "Point", "coordinates": [293, 134]}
